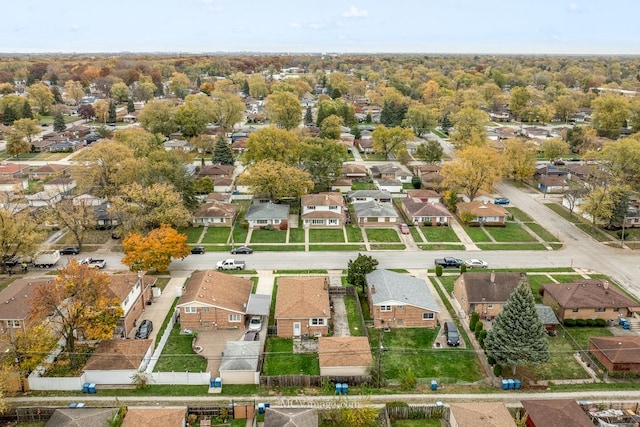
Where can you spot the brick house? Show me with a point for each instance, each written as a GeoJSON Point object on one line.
{"type": "Point", "coordinates": [133, 291]}
{"type": "Point", "coordinates": [215, 214]}
{"type": "Point", "coordinates": [555, 412]}
{"type": "Point", "coordinates": [617, 354]}
{"type": "Point", "coordinates": [485, 293]}
{"type": "Point", "coordinates": [484, 213]}
{"type": "Point", "coordinates": [214, 300]}
{"type": "Point", "coordinates": [15, 307]}
{"type": "Point", "coordinates": [302, 307]}
{"type": "Point", "coordinates": [588, 299]}
{"type": "Point", "coordinates": [424, 212]}
{"type": "Point", "coordinates": [322, 210]}
{"type": "Point", "coordinates": [400, 301]}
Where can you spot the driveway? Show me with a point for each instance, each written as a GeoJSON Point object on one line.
{"type": "Point", "coordinates": [213, 342]}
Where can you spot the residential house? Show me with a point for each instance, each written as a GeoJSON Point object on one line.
{"type": "Point", "coordinates": [216, 171]}
{"type": "Point", "coordinates": [104, 219]}
{"type": "Point", "coordinates": [426, 168]}
{"type": "Point", "coordinates": [499, 116]}
{"type": "Point", "coordinates": [365, 145]}
{"type": "Point", "coordinates": [392, 171]}
{"type": "Point", "coordinates": [13, 170]}
{"type": "Point", "coordinates": [425, 213]}
{"type": "Point", "coordinates": [302, 307]}
{"type": "Point", "coordinates": [177, 145]}
{"type": "Point", "coordinates": [291, 417]}
{"type": "Point", "coordinates": [485, 293]}
{"type": "Point", "coordinates": [390, 185]}
{"type": "Point", "coordinates": [424, 195]}
{"type": "Point", "coordinates": [133, 290]}
{"type": "Point", "coordinates": [547, 317]}
{"type": "Point", "coordinates": [88, 200]}
{"type": "Point", "coordinates": [215, 214]}
{"type": "Point", "coordinates": [481, 213]}
{"type": "Point", "coordinates": [372, 214]}
{"type": "Point", "coordinates": [429, 174]}
{"type": "Point", "coordinates": [214, 300]}
{"type": "Point", "coordinates": [534, 132]}
{"type": "Point", "coordinates": [223, 184]}
{"type": "Point", "coordinates": [85, 417]}
{"type": "Point", "coordinates": [15, 304]}
{"type": "Point", "coordinates": [47, 171]}
{"type": "Point", "coordinates": [13, 184]}
{"type": "Point", "coordinates": [239, 145]}
{"type": "Point", "coordinates": [588, 299]}
{"type": "Point", "coordinates": [617, 354]}
{"type": "Point", "coordinates": [342, 185]}
{"type": "Point", "coordinates": [240, 361]}
{"type": "Point", "coordinates": [555, 412]}
{"type": "Point", "coordinates": [66, 146]}
{"type": "Point", "coordinates": [165, 416]}
{"type": "Point", "coordinates": [344, 356]}
{"type": "Point", "coordinates": [355, 171]}
{"type": "Point", "coordinates": [400, 301]}
{"type": "Point", "coordinates": [265, 214]}
{"type": "Point", "coordinates": [76, 131]}
{"type": "Point", "coordinates": [380, 196]}
{"type": "Point", "coordinates": [43, 198]}
{"type": "Point", "coordinates": [63, 185]}
{"type": "Point", "coordinates": [120, 355]}
{"type": "Point", "coordinates": [322, 210]}
{"type": "Point", "coordinates": [44, 145]}
{"type": "Point", "coordinates": [487, 414]}
{"type": "Point", "coordinates": [217, 197]}
{"type": "Point", "coordinates": [552, 184]}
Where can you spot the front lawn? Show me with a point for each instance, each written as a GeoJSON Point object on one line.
{"type": "Point", "coordinates": [354, 234]}
{"type": "Point", "coordinates": [178, 355]}
{"type": "Point", "coordinates": [193, 233]}
{"type": "Point", "coordinates": [412, 348]}
{"type": "Point", "coordinates": [216, 235]}
{"type": "Point", "coordinates": [439, 234]}
{"type": "Point", "coordinates": [280, 360]}
{"type": "Point", "coordinates": [382, 235]}
{"type": "Point", "coordinates": [296, 235]}
{"type": "Point", "coordinates": [477, 234]}
{"type": "Point", "coordinates": [326, 235]}
{"type": "Point", "coordinates": [268, 236]}
{"type": "Point", "coordinates": [511, 233]}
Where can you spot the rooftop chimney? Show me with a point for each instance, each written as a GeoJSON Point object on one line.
{"type": "Point", "coordinates": [493, 277]}
{"type": "Point", "coordinates": [373, 289]}
{"type": "Point", "coordinates": [605, 284]}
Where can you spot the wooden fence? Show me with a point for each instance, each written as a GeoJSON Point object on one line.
{"type": "Point", "coordinates": [310, 380]}
{"type": "Point", "coordinates": [416, 412]}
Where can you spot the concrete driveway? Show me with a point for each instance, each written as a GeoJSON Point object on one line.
{"type": "Point", "coordinates": [213, 342]}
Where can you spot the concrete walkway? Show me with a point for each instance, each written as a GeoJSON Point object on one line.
{"type": "Point", "coordinates": [462, 235]}
{"type": "Point", "coordinates": [339, 315]}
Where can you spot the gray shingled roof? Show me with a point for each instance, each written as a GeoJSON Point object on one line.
{"type": "Point", "coordinates": [267, 211]}
{"type": "Point", "coordinates": [546, 315]}
{"type": "Point", "coordinates": [373, 194]}
{"type": "Point", "coordinates": [374, 209]}
{"type": "Point", "coordinates": [240, 356]}
{"type": "Point", "coordinates": [400, 289]}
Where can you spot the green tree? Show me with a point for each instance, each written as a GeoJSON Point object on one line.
{"type": "Point", "coordinates": [265, 179]}
{"type": "Point", "coordinates": [130, 106]}
{"type": "Point", "coordinates": [446, 124]}
{"type": "Point", "coordinates": [621, 159]}
{"type": "Point", "coordinates": [308, 117]}
{"type": "Point", "coordinates": [180, 85]}
{"type": "Point", "coordinates": [283, 109]}
{"type": "Point", "coordinates": [17, 144]}
{"type": "Point", "coordinates": [390, 141]}
{"type": "Point", "coordinates": [58, 123]}
{"type": "Point", "coordinates": [27, 349]}
{"type": "Point", "coordinates": [120, 92]}
{"type": "Point", "coordinates": [272, 143]}
{"type": "Point", "coordinates": [331, 127]}
{"type": "Point", "coordinates": [8, 115]}
{"type": "Point", "coordinates": [474, 169]}
{"type": "Point", "coordinates": [421, 119]}
{"type": "Point", "coordinates": [144, 91]}
{"type": "Point", "coordinates": [228, 109]}
{"type": "Point", "coordinates": [26, 111]}
{"type": "Point", "coordinates": [610, 112]}
{"type": "Point", "coordinates": [470, 127]}
{"type": "Point", "coordinates": [322, 159]}
{"type": "Point", "coordinates": [193, 116]}
{"type": "Point", "coordinates": [554, 148]}
{"type": "Point", "coordinates": [222, 154]}
{"type": "Point", "coordinates": [158, 117]}
{"type": "Point", "coordinates": [580, 139]}
{"type": "Point", "coordinates": [112, 112]}
{"type": "Point", "coordinates": [517, 336]}
{"type": "Point", "coordinates": [430, 152]}
{"type": "Point", "coordinates": [393, 113]}
{"type": "Point", "coordinates": [519, 158]}
{"type": "Point", "coordinates": [41, 96]}
{"type": "Point", "coordinates": [28, 127]}
{"type": "Point", "coordinates": [518, 100]}
{"type": "Point", "coordinates": [357, 270]}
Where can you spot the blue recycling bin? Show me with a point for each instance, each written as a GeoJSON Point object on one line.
{"type": "Point", "coordinates": [516, 384]}
{"type": "Point", "coordinates": [212, 383]}
{"type": "Point", "coordinates": [73, 405]}
{"type": "Point", "coordinates": [260, 408]}
{"type": "Point", "coordinates": [338, 388]}
{"type": "Point", "coordinates": [505, 385]}
{"type": "Point", "coordinates": [92, 388]}
{"type": "Point", "coordinates": [345, 388]}
{"type": "Point", "coordinates": [434, 385]}
{"type": "Point", "coordinates": [85, 388]}
{"type": "Point", "coordinates": [217, 382]}
{"type": "Point", "coordinates": [267, 405]}
{"type": "Point", "coordinates": [512, 384]}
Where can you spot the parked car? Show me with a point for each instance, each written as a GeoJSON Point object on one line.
{"type": "Point", "coordinates": [448, 262]}
{"type": "Point", "coordinates": [144, 330]}
{"type": "Point", "coordinates": [501, 201]}
{"type": "Point", "coordinates": [255, 323]}
{"type": "Point", "coordinates": [404, 228]}
{"type": "Point", "coordinates": [476, 263]}
{"type": "Point", "coordinates": [197, 250]}
{"type": "Point", "coordinates": [252, 336]}
{"type": "Point", "coordinates": [70, 250]}
{"type": "Point", "coordinates": [451, 332]}
{"type": "Point", "coordinates": [244, 250]}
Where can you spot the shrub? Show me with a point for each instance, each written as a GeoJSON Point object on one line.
{"type": "Point", "coordinates": [408, 380]}
{"type": "Point", "coordinates": [569, 322]}
{"type": "Point", "coordinates": [438, 270]}
{"type": "Point", "coordinates": [481, 337]}
{"type": "Point", "coordinates": [497, 370]}
{"type": "Point", "coordinates": [541, 291]}
{"type": "Point", "coordinates": [491, 361]}
{"type": "Point", "coordinates": [463, 268]}
{"type": "Point", "coordinates": [600, 323]}
{"type": "Point", "coordinates": [479, 327]}
{"type": "Point", "coordinates": [591, 322]}
{"type": "Point", "coordinates": [581, 323]}
{"type": "Point", "coordinates": [473, 320]}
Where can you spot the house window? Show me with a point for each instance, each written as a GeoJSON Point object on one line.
{"type": "Point", "coordinates": [234, 318]}
{"type": "Point", "coordinates": [190, 310]}
{"type": "Point", "coordinates": [14, 323]}
{"type": "Point", "coordinates": [385, 308]}
{"type": "Point", "coordinates": [616, 309]}
{"type": "Point", "coordinates": [333, 208]}
{"type": "Point", "coordinates": [332, 222]}
{"type": "Point", "coordinates": [126, 301]}
{"type": "Point", "coordinates": [262, 221]}
{"type": "Point", "coordinates": [276, 221]}
{"type": "Point", "coordinates": [205, 309]}
{"type": "Point", "coordinates": [489, 306]}
{"type": "Point", "coordinates": [317, 321]}
{"type": "Point", "coordinates": [311, 208]}
{"type": "Point", "coordinates": [427, 316]}
{"type": "Point", "coordinates": [317, 221]}
{"type": "Point", "coordinates": [600, 310]}
{"type": "Point", "coordinates": [575, 310]}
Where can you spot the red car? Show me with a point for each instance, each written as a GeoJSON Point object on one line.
{"type": "Point", "coordinates": [404, 228]}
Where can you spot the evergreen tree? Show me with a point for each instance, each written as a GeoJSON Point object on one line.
{"type": "Point", "coordinates": [517, 336]}
{"type": "Point", "coordinates": [308, 117]}
{"type": "Point", "coordinates": [26, 111]}
{"type": "Point", "coordinates": [57, 97]}
{"type": "Point", "coordinates": [245, 88]}
{"type": "Point", "coordinates": [130, 107]}
{"type": "Point", "coordinates": [8, 116]}
{"type": "Point", "coordinates": [446, 124]}
{"type": "Point", "coordinates": [58, 123]}
{"type": "Point", "coordinates": [53, 79]}
{"type": "Point", "coordinates": [159, 89]}
{"type": "Point", "coordinates": [358, 269]}
{"type": "Point", "coordinates": [112, 112]}
{"type": "Point", "coordinates": [222, 154]}
{"type": "Point", "coordinates": [393, 114]}
{"type": "Point", "coordinates": [355, 131]}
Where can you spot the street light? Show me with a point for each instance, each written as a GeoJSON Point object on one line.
{"type": "Point", "coordinates": [624, 222]}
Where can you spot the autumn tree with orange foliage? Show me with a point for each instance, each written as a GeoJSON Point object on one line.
{"type": "Point", "coordinates": [155, 250]}
{"type": "Point", "coordinates": [81, 303]}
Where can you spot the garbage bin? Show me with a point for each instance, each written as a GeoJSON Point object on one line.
{"type": "Point", "coordinates": [345, 388]}
{"type": "Point", "coordinates": [212, 383]}
{"type": "Point", "coordinates": [92, 388]}
{"type": "Point", "coordinates": [217, 382]}
{"type": "Point", "coordinates": [434, 385]}
{"type": "Point", "coordinates": [516, 384]}
{"type": "Point", "coordinates": [260, 408]}
{"type": "Point", "coordinates": [85, 388]}
{"type": "Point", "coordinates": [512, 384]}
{"type": "Point", "coordinates": [338, 388]}
{"type": "Point", "coordinates": [505, 385]}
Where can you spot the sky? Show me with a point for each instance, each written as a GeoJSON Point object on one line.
{"type": "Point", "coordinates": [316, 26]}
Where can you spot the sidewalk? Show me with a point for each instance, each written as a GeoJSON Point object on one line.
{"type": "Point", "coordinates": [463, 236]}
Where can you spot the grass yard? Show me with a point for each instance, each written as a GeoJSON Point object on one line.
{"type": "Point", "coordinates": [363, 186]}
{"type": "Point", "coordinates": [330, 247]}
{"type": "Point", "coordinates": [240, 235]}
{"type": "Point", "coordinates": [178, 356]}
{"type": "Point", "coordinates": [280, 360]}
{"type": "Point", "coordinates": [448, 282]}
{"type": "Point", "coordinates": [296, 235]}
{"type": "Point", "coordinates": [439, 234]}
{"type": "Point", "coordinates": [511, 233]}
{"type": "Point", "coordinates": [382, 235]}
{"type": "Point", "coordinates": [581, 334]}
{"type": "Point", "coordinates": [477, 234]}
{"type": "Point", "coordinates": [326, 235]}
{"type": "Point", "coordinates": [428, 422]}
{"type": "Point", "coordinates": [543, 233]}
{"type": "Point", "coordinates": [355, 326]}
{"type": "Point", "coordinates": [566, 278]}
{"type": "Point", "coordinates": [441, 247]}
{"type": "Point", "coordinates": [268, 236]}
{"type": "Point", "coordinates": [216, 235]}
{"type": "Point", "coordinates": [354, 234]}
{"type": "Point", "coordinates": [519, 214]}
{"type": "Point", "coordinates": [417, 237]}
{"type": "Point", "coordinates": [512, 247]}
{"type": "Point", "coordinates": [387, 246]}
{"type": "Point", "coordinates": [278, 248]}
{"type": "Point", "coordinates": [535, 281]}
{"type": "Point", "coordinates": [412, 349]}
{"type": "Point", "coordinates": [193, 233]}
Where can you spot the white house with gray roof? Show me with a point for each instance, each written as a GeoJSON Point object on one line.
{"type": "Point", "coordinates": [263, 214]}
{"type": "Point", "coordinates": [400, 301]}
{"type": "Point", "coordinates": [358, 196]}
{"type": "Point", "coordinates": [375, 214]}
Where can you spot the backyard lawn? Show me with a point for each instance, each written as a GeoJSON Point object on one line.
{"type": "Point", "coordinates": [178, 356]}
{"type": "Point", "coordinates": [280, 360]}
{"type": "Point", "coordinates": [412, 349]}
{"type": "Point", "coordinates": [439, 234]}
{"type": "Point", "coordinates": [382, 235]}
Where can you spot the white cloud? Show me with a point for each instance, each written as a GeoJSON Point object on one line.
{"type": "Point", "coordinates": [573, 6]}
{"type": "Point", "coordinates": [295, 25]}
{"type": "Point", "coordinates": [315, 26]}
{"type": "Point", "coordinates": [75, 27]}
{"type": "Point", "coordinates": [354, 12]}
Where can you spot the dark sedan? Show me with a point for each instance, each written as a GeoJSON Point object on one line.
{"type": "Point", "coordinates": [144, 331]}
{"type": "Point", "coordinates": [70, 250]}
{"type": "Point", "coordinates": [242, 250]}
{"type": "Point", "coordinates": [197, 250]}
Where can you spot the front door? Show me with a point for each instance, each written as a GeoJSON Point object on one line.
{"type": "Point", "coordinates": [297, 327]}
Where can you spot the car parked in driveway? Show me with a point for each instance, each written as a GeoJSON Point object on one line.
{"type": "Point", "coordinates": [242, 250]}
{"type": "Point", "coordinates": [70, 250]}
{"type": "Point", "coordinates": [451, 332]}
{"type": "Point", "coordinates": [255, 323]}
{"type": "Point", "coordinates": [501, 201]}
{"type": "Point", "coordinates": [144, 330]}
{"type": "Point", "coordinates": [404, 228]}
{"type": "Point", "coordinates": [252, 336]}
{"type": "Point", "coordinates": [197, 250]}
{"type": "Point", "coordinates": [476, 263]}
